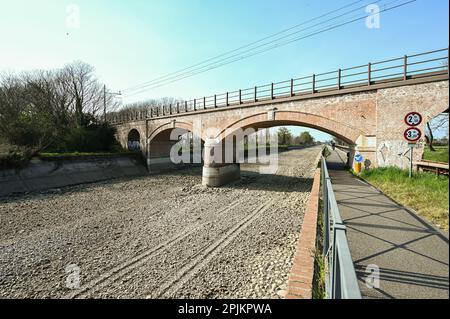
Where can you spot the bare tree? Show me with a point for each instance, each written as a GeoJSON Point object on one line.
{"type": "Point", "coordinates": [38, 108]}
{"type": "Point", "coordinates": [86, 91]}
{"type": "Point", "coordinates": [438, 123]}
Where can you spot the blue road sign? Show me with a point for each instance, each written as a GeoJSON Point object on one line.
{"type": "Point", "coordinates": [358, 158]}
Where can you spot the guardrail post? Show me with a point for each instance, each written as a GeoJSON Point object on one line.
{"type": "Point", "coordinates": [292, 87]}
{"type": "Point", "coordinates": [339, 79]}
{"type": "Point", "coordinates": [226, 100]}
{"type": "Point", "coordinates": [151, 112]}
{"type": "Point", "coordinates": [185, 106]}
{"type": "Point", "coordinates": [313, 83]}
{"type": "Point", "coordinates": [163, 110]}
{"type": "Point", "coordinates": [271, 92]}
{"type": "Point", "coordinates": [240, 97]}
{"type": "Point", "coordinates": [256, 94]}
{"type": "Point", "coordinates": [336, 282]}
{"type": "Point", "coordinates": [195, 104]}
{"type": "Point", "coordinates": [369, 74]}
{"type": "Point", "coordinates": [405, 67]}
{"type": "Point", "coordinates": [204, 103]}
{"type": "Point", "coordinates": [178, 107]}
{"type": "Point", "coordinates": [170, 109]}
{"type": "Point", "coordinates": [215, 100]}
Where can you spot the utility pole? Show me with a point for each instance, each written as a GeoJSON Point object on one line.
{"type": "Point", "coordinates": [104, 100]}
{"type": "Point", "coordinates": [104, 103]}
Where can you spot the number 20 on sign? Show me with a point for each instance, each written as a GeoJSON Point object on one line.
{"type": "Point", "coordinates": [413, 119]}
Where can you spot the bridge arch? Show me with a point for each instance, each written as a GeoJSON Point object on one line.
{"type": "Point", "coordinates": [343, 131]}
{"type": "Point", "coordinates": [134, 140]}
{"type": "Point", "coordinates": [160, 142]}
{"type": "Point", "coordinates": [168, 127]}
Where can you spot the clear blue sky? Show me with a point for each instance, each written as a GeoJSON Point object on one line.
{"type": "Point", "coordinates": [131, 42]}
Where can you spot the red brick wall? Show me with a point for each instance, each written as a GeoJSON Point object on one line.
{"type": "Point", "coordinates": [302, 272]}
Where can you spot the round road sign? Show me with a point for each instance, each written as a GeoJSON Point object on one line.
{"type": "Point", "coordinates": [413, 134]}
{"type": "Point", "coordinates": [413, 119]}
{"type": "Point", "coordinates": [358, 158]}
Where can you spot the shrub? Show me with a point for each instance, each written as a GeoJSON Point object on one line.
{"type": "Point", "coordinates": [93, 138]}
{"type": "Point", "coordinates": [15, 158]}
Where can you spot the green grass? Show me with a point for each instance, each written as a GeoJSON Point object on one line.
{"type": "Point", "coordinates": [440, 155]}
{"type": "Point", "coordinates": [425, 192]}
{"type": "Point", "coordinates": [318, 288]}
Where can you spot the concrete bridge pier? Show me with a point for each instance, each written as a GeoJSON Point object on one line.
{"type": "Point", "coordinates": [216, 171]}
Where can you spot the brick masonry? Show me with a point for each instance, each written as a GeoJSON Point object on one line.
{"type": "Point", "coordinates": [302, 272]}
{"type": "Point", "coordinates": [371, 120]}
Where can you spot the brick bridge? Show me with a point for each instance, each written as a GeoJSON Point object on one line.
{"type": "Point", "coordinates": [364, 106]}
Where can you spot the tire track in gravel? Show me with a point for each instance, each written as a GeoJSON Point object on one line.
{"type": "Point", "coordinates": [121, 270]}
{"type": "Point", "coordinates": [174, 283]}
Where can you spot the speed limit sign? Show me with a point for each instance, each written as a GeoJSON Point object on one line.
{"type": "Point", "coordinates": [413, 119]}
{"type": "Point", "coordinates": [413, 134]}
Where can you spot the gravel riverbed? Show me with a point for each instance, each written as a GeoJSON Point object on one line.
{"type": "Point", "coordinates": [162, 236]}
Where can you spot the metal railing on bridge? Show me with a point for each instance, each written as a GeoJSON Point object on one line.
{"type": "Point", "coordinates": [427, 64]}
{"type": "Point", "coordinates": [341, 281]}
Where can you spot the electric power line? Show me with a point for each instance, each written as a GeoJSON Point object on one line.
{"type": "Point", "coordinates": [245, 46]}
{"type": "Point", "coordinates": [248, 50]}
{"type": "Point", "coordinates": [215, 65]}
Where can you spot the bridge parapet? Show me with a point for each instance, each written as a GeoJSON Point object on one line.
{"type": "Point", "coordinates": [405, 70]}
{"type": "Point", "coordinates": [367, 115]}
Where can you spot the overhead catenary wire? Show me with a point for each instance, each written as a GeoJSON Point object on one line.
{"type": "Point", "coordinates": [244, 46]}
{"type": "Point", "coordinates": [222, 63]}
{"type": "Point", "coordinates": [254, 48]}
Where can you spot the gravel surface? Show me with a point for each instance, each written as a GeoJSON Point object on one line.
{"type": "Point", "coordinates": [160, 236]}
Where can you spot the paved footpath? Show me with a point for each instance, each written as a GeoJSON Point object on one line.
{"type": "Point", "coordinates": [412, 255]}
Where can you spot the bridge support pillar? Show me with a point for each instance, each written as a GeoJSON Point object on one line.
{"type": "Point", "coordinates": [220, 175]}
{"type": "Point", "coordinates": [216, 171]}
{"type": "Point", "coordinates": [366, 146]}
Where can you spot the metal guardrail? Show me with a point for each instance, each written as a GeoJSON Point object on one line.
{"type": "Point", "coordinates": [340, 281]}
{"type": "Point", "coordinates": [431, 63]}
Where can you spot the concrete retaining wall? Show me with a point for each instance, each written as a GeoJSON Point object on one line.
{"type": "Point", "coordinates": [59, 172]}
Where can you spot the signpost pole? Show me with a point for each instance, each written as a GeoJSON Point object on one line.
{"type": "Point", "coordinates": [412, 135]}
{"type": "Point", "coordinates": [411, 160]}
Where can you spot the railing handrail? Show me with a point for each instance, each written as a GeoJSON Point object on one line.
{"type": "Point", "coordinates": [298, 86]}
{"type": "Point", "coordinates": [341, 281]}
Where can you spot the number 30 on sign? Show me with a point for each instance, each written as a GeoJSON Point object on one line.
{"type": "Point", "coordinates": [413, 134]}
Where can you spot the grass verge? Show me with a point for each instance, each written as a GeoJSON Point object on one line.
{"type": "Point", "coordinates": [440, 155]}
{"type": "Point", "coordinates": [426, 193]}
{"type": "Point", "coordinates": [318, 289]}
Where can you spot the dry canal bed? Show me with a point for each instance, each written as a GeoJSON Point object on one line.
{"type": "Point", "coordinates": [160, 236]}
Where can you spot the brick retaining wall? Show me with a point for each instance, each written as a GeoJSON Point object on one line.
{"type": "Point", "coordinates": [301, 277]}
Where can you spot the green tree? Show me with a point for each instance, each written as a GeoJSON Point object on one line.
{"type": "Point", "coordinates": [284, 136]}
{"type": "Point", "coordinates": [305, 138]}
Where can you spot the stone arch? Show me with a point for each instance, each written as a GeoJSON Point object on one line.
{"type": "Point", "coordinates": [134, 140]}
{"type": "Point", "coordinates": [343, 131]}
{"type": "Point", "coordinates": [169, 126]}
{"type": "Point", "coordinates": [160, 156]}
